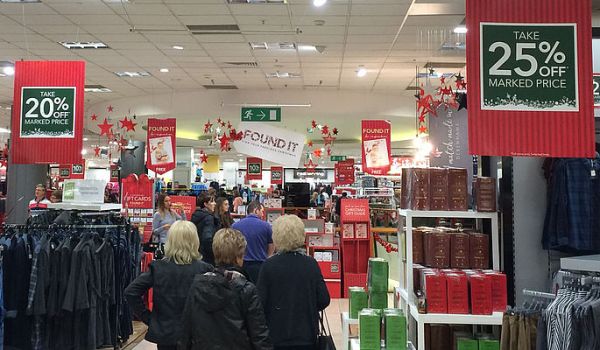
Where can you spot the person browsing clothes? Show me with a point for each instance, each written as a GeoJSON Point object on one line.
{"type": "Point", "coordinates": [164, 217]}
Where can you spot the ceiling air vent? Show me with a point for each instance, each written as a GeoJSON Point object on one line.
{"type": "Point", "coordinates": [242, 64]}
{"type": "Point", "coordinates": [201, 29]}
{"type": "Point", "coordinates": [220, 87]}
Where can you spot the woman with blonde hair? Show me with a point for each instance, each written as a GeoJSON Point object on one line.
{"type": "Point", "coordinates": [292, 288]}
{"type": "Point", "coordinates": [170, 279]}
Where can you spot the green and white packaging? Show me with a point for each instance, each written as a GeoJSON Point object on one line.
{"type": "Point", "coordinates": [395, 329]}
{"type": "Point", "coordinates": [358, 300]}
{"type": "Point", "coordinates": [370, 329]}
{"type": "Point", "coordinates": [378, 274]}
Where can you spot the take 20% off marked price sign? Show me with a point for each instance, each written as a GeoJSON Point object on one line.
{"type": "Point", "coordinates": [48, 112]}
{"type": "Point", "coordinates": [529, 67]}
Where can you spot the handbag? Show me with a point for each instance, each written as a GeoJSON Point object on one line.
{"type": "Point", "coordinates": [324, 339]}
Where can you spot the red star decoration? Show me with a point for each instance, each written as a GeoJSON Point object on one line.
{"type": "Point", "coordinates": [328, 151]}
{"type": "Point", "coordinates": [314, 124]}
{"type": "Point", "coordinates": [310, 166]}
{"type": "Point", "coordinates": [207, 126]}
{"type": "Point", "coordinates": [443, 80]}
{"type": "Point", "coordinates": [318, 153]}
{"type": "Point", "coordinates": [422, 118]}
{"type": "Point", "coordinates": [97, 151]}
{"type": "Point", "coordinates": [422, 129]}
{"type": "Point", "coordinates": [203, 158]}
{"type": "Point", "coordinates": [110, 109]}
{"type": "Point", "coordinates": [335, 131]}
{"type": "Point", "coordinates": [463, 84]}
{"type": "Point", "coordinates": [310, 143]}
{"type": "Point", "coordinates": [446, 91]}
{"type": "Point", "coordinates": [105, 128]}
{"type": "Point", "coordinates": [123, 122]}
{"type": "Point", "coordinates": [219, 120]}
{"type": "Point", "coordinates": [94, 117]}
{"type": "Point", "coordinates": [223, 124]}
{"type": "Point", "coordinates": [229, 125]}
{"type": "Point", "coordinates": [224, 140]}
{"type": "Point", "coordinates": [325, 130]}
{"type": "Point", "coordinates": [328, 140]}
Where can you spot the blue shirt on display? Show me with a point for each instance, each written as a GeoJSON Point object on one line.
{"type": "Point", "coordinates": [258, 234]}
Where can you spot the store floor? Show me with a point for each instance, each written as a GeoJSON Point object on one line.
{"type": "Point", "coordinates": [334, 311]}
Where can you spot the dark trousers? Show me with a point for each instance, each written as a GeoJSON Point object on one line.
{"type": "Point", "coordinates": [166, 347]}
{"type": "Point", "coordinates": [252, 268]}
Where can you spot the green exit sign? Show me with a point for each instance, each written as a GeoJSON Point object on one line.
{"type": "Point", "coordinates": [261, 114]}
{"type": "Point", "coordinates": [338, 158]}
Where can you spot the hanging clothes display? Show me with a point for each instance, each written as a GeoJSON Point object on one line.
{"type": "Point", "coordinates": [572, 222]}
{"type": "Point", "coordinates": [67, 281]}
{"type": "Point", "coordinates": [520, 324]}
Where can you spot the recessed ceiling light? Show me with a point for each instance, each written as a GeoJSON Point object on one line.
{"type": "Point", "coordinates": [85, 139]}
{"type": "Point", "coordinates": [133, 74]}
{"type": "Point", "coordinates": [96, 88]}
{"type": "Point", "coordinates": [8, 70]}
{"type": "Point", "coordinates": [460, 30]}
{"type": "Point", "coordinates": [257, 1]}
{"type": "Point", "coordinates": [83, 45]}
{"type": "Point", "coordinates": [304, 47]}
{"type": "Point", "coordinates": [83, 152]}
{"type": "Point", "coordinates": [361, 71]}
{"type": "Point", "coordinates": [4, 131]}
{"type": "Point", "coordinates": [177, 47]}
{"type": "Point", "coordinates": [283, 75]}
{"type": "Point", "coordinates": [20, 1]}
{"type": "Point", "coordinates": [164, 70]}
{"type": "Point", "coordinates": [319, 3]}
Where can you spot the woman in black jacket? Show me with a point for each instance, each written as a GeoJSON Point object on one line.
{"type": "Point", "coordinates": [223, 310]}
{"type": "Point", "coordinates": [292, 288]}
{"type": "Point", "coordinates": [206, 224]}
{"type": "Point", "coordinates": [170, 279]}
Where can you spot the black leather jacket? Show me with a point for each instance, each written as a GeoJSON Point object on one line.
{"type": "Point", "coordinates": [223, 312]}
{"type": "Point", "coordinates": [206, 225]}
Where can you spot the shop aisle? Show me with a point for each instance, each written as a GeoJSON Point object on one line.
{"type": "Point", "coordinates": [333, 314]}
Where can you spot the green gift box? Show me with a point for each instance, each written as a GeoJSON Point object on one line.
{"type": "Point", "coordinates": [370, 329]}
{"type": "Point", "coordinates": [378, 300]}
{"type": "Point", "coordinates": [395, 329]}
{"type": "Point", "coordinates": [378, 274]}
{"type": "Point", "coordinates": [358, 300]}
{"type": "Point", "coordinates": [489, 344]}
{"type": "Point", "coordinates": [467, 344]}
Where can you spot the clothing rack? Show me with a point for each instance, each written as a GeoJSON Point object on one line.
{"type": "Point", "coordinates": [535, 293]}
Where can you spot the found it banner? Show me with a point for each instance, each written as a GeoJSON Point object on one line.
{"type": "Point", "coordinates": [529, 64]}
{"type": "Point", "coordinates": [161, 145]}
{"type": "Point", "coordinates": [277, 145]}
{"type": "Point", "coordinates": [276, 175]}
{"type": "Point", "coordinates": [376, 146]}
{"type": "Point", "coordinates": [254, 168]}
{"type": "Point", "coordinates": [47, 115]}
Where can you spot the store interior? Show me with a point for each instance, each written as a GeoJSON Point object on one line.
{"type": "Point", "coordinates": [461, 250]}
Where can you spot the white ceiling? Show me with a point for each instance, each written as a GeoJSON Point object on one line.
{"type": "Point", "coordinates": [390, 38]}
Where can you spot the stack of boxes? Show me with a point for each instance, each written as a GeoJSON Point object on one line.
{"type": "Point", "coordinates": [377, 282]}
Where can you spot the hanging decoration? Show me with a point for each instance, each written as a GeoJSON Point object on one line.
{"type": "Point", "coordinates": [328, 135]}
{"type": "Point", "coordinates": [385, 244]}
{"type": "Point", "coordinates": [223, 133]}
{"type": "Point", "coordinates": [203, 157]}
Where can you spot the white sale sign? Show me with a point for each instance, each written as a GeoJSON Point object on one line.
{"type": "Point", "coordinates": [270, 143]}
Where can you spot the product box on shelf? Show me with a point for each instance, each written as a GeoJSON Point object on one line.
{"type": "Point", "coordinates": [361, 230]}
{"type": "Point", "coordinates": [417, 277]}
{"type": "Point", "coordinates": [395, 329]}
{"type": "Point", "coordinates": [437, 249]}
{"type": "Point", "coordinates": [458, 293]}
{"type": "Point", "coordinates": [329, 228]}
{"type": "Point", "coordinates": [311, 214]}
{"type": "Point", "coordinates": [459, 251]}
{"type": "Point", "coordinates": [457, 189]}
{"type": "Point", "coordinates": [437, 336]}
{"type": "Point", "coordinates": [438, 188]}
{"type": "Point", "coordinates": [466, 343]}
{"type": "Point", "coordinates": [325, 240]}
{"type": "Point", "coordinates": [499, 290]}
{"type": "Point", "coordinates": [348, 231]}
{"type": "Point", "coordinates": [480, 287]}
{"type": "Point", "coordinates": [404, 188]}
{"type": "Point", "coordinates": [489, 344]}
{"type": "Point", "coordinates": [435, 289]}
{"type": "Point", "coordinates": [418, 245]}
{"type": "Point", "coordinates": [418, 185]}
{"type": "Point", "coordinates": [378, 300]}
{"type": "Point", "coordinates": [358, 300]}
{"type": "Point", "coordinates": [378, 275]}
{"type": "Point", "coordinates": [479, 246]}
{"type": "Point", "coordinates": [485, 194]}
{"type": "Point", "coordinates": [370, 329]}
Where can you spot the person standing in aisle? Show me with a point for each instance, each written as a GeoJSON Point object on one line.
{"type": "Point", "coordinates": [164, 218]}
{"type": "Point", "coordinates": [223, 310]}
{"type": "Point", "coordinates": [40, 201]}
{"type": "Point", "coordinates": [170, 279]}
{"type": "Point", "coordinates": [222, 213]}
{"type": "Point", "coordinates": [56, 196]}
{"type": "Point", "coordinates": [237, 200]}
{"type": "Point", "coordinates": [206, 224]}
{"type": "Point", "coordinates": [259, 235]}
{"type": "Point", "coordinates": [292, 288]}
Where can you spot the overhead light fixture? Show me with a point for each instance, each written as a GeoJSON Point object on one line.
{"type": "Point", "coordinates": [4, 131]}
{"type": "Point", "coordinates": [83, 152]}
{"type": "Point", "coordinates": [164, 70]}
{"type": "Point", "coordinates": [96, 88]}
{"type": "Point", "coordinates": [20, 1]}
{"type": "Point", "coordinates": [361, 71]}
{"type": "Point", "coordinates": [177, 47]}
{"type": "Point", "coordinates": [85, 139]}
{"type": "Point", "coordinates": [257, 1]}
{"type": "Point", "coordinates": [283, 75]}
{"type": "Point", "coordinates": [319, 3]}
{"type": "Point", "coordinates": [133, 74]}
{"type": "Point", "coordinates": [8, 70]}
{"type": "Point", "coordinates": [460, 30]}
{"type": "Point", "coordinates": [83, 44]}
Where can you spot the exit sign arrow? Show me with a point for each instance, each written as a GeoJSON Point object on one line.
{"type": "Point", "coordinates": [261, 114]}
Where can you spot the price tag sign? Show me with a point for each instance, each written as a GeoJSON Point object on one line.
{"type": "Point", "coordinates": [48, 112]}
{"type": "Point", "coordinates": [596, 90]}
{"type": "Point", "coordinates": [254, 168]}
{"type": "Point", "coordinates": [529, 67]}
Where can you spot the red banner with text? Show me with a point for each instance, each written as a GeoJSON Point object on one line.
{"type": "Point", "coordinates": [161, 141]}
{"type": "Point", "coordinates": [187, 203]}
{"type": "Point", "coordinates": [529, 69]}
{"type": "Point", "coordinates": [376, 146]}
{"type": "Point", "coordinates": [355, 210]}
{"type": "Point", "coordinates": [254, 168]}
{"type": "Point", "coordinates": [276, 175]}
{"type": "Point", "coordinates": [137, 201]}
{"type": "Point", "coordinates": [47, 114]}
{"type": "Point", "coordinates": [344, 172]}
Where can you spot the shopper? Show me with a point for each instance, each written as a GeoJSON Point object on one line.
{"type": "Point", "coordinates": [206, 224]}
{"type": "Point", "coordinates": [237, 199]}
{"type": "Point", "coordinates": [222, 213]}
{"type": "Point", "coordinates": [259, 235]}
{"type": "Point", "coordinates": [170, 279]}
{"type": "Point", "coordinates": [40, 201]}
{"type": "Point", "coordinates": [223, 310]}
{"type": "Point", "coordinates": [164, 217]}
{"type": "Point", "coordinates": [56, 196]}
{"type": "Point", "coordinates": [291, 288]}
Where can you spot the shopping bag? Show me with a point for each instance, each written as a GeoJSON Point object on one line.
{"type": "Point", "coordinates": [324, 340]}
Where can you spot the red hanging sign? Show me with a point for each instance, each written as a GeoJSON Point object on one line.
{"type": "Point", "coordinates": [276, 175]}
{"type": "Point", "coordinates": [161, 145]}
{"type": "Point", "coordinates": [137, 201]}
{"type": "Point", "coordinates": [47, 115]}
{"type": "Point", "coordinates": [64, 171]}
{"type": "Point", "coordinates": [114, 173]}
{"type": "Point", "coordinates": [78, 170]}
{"type": "Point", "coordinates": [254, 168]}
{"type": "Point", "coordinates": [355, 210]}
{"type": "Point", "coordinates": [376, 146]}
{"type": "Point", "coordinates": [344, 172]}
{"type": "Point", "coordinates": [529, 64]}
{"type": "Point", "coordinates": [188, 203]}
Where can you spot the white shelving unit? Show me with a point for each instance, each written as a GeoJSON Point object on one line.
{"type": "Point", "coordinates": [406, 274]}
{"type": "Point", "coordinates": [589, 263]}
{"type": "Point", "coordinates": [346, 322]}
{"type": "Point", "coordinates": [355, 345]}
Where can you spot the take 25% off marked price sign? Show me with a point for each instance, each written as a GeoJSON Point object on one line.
{"type": "Point", "coordinates": [529, 67]}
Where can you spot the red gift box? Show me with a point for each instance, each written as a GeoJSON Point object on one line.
{"type": "Point", "coordinates": [481, 294]}
{"type": "Point", "coordinates": [458, 293]}
{"type": "Point", "coordinates": [435, 292]}
{"type": "Point", "coordinates": [499, 294]}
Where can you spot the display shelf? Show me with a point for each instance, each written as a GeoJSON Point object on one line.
{"type": "Point", "coordinates": [589, 263]}
{"type": "Point", "coordinates": [355, 345]}
{"type": "Point", "coordinates": [85, 206]}
{"type": "Point", "coordinates": [346, 322]}
{"type": "Point", "coordinates": [469, 214]}
{"type": "Point", "coordinates": [493, 319]}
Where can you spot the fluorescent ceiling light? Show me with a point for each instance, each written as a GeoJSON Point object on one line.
{"type": "Point", "coordinates": [361, 72]}
{"type": "Point", "coordinates": [4, 131]}
{"type": "Point", "coordinates": [83, 45]}
{"type": "Point", "coordinates": [304, 47]}
{"type": "Point", "coordinates": [8, 70]}
{"type": "Point", "coordinates": [85, 139]}
{"type": "Point", "coordinates": [96, 88]}
{"type": "Point", "coordinates": [133, 74]}
{"type": "Point", "coordinates": [164, 70]}
{"type": "Point", "coordinates": [257, 1]}
{"type": "Point", "coordinates": [20, 1]}
{"type": "Point", "coordinates": [460, 30]}
{"type": "Point", "coordinates": [177, 47]}
{"type": "Point", "coordinates": [283, 75]}
{"type": "Point", "coordinates": [83, 152]}
{"type": "Point", "coordinates": [319, 3]}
